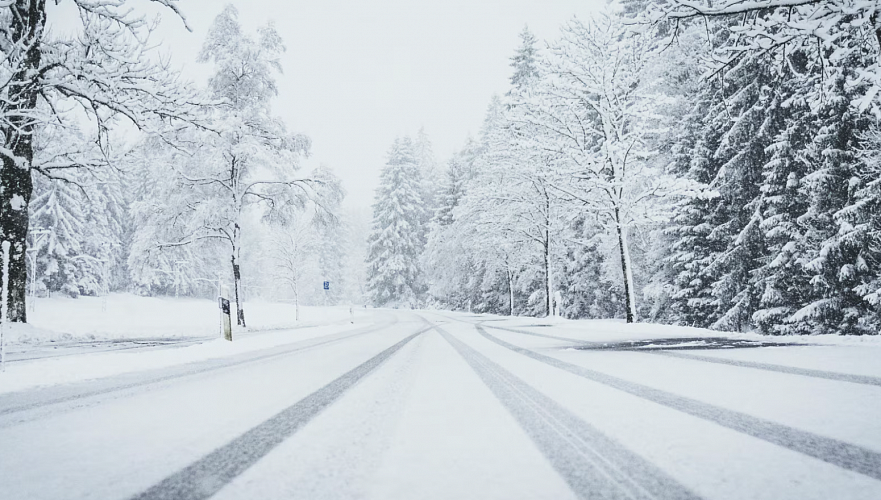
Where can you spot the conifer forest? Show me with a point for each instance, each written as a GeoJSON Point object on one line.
{"type": "Point", "coordinates": [692, 163]}
{"type": "Point", "coordinates": [699, 163]}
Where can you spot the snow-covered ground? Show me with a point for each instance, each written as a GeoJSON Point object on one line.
{"type": "Point", "coordinates": [71, 340]}
{"type": "Point", "coordinates": [127, 316]}
{"type": "Point", "coordinates": [430, 404]}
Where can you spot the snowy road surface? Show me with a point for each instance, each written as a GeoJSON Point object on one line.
{"type": "Point", "coordinates": [408, 405]}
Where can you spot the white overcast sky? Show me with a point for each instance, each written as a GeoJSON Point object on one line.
{"type": "Point", "coordinates": [359, 73]}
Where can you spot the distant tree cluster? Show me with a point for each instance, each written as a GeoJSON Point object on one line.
{"type": "Point", "coordinates": [713, 164]}
{"type": "Point", "coordinates": [210, 191]}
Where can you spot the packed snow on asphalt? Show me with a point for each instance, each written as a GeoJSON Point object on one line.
{"type": "Point", "coordinates": [394, 404]}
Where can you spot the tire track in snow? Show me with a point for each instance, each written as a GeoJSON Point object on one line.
{"type": "Point", "coordinates": [594, 465]}
{"type": "Point", "coordinates": [17, 402]}
{"type": "Point", "coordinates": [206, 476]}
{"type": "Point", "coordinates": [545, 335]}
{"type": "Point", "coordinates": [337, 456]}
{"type": "Point", "coordinates": [845, 455]}
{"type": "Point", "coordinates": [805, 372]}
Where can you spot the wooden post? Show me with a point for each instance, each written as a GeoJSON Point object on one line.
{"type": "Point", "coordinates": [225, 319]}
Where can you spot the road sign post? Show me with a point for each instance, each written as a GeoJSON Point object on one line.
{"type": "Point", "coordinates": [326, 290]}
{"type": "Point", "coordinates": [225, 320]}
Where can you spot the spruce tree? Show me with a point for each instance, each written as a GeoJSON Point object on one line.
{"type": "Point", "coordinates": [396, 240]}
{"type": "Point", "coordinates": [742, 152]}
{"type": "Point", "coordinates": [783, 280]}
{"type": "Point", "coordinates": [836, 258]}
{"type": "Point", "coordinates": [524, 61]}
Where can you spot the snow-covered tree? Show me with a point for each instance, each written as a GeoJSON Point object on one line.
{"type": "Point", "coordinates": [294, 255]}
{"type": "Point", "coordinates": [396, 238]}
{"type": "Point", "coordinates": [525, 61]}
{"type": "Point", "coordinates": [245, 161]}
{"type": "Point", "coordinates": [841, 30]}
{"type": "Point", "coordinates": [593, 114]}
{"type": "Point", "coordinates": [101, 75]}
{"type": "Point", "coordinates": [446, 260]}
{"type": "Point", "coordinates": [430, 173]}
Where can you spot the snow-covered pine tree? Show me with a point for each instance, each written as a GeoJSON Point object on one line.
{"type": "Point", "coordinates": [83, 209]}
{"type": "Point", "coordinates": [718, 242]}
{"type": "Point", "coordinates": [693, 246]}
{"type": "Point", "coordinates": [431, 176]}
{"type": "Point", "coordinates": [863, 217]}
{"type": "Point", "coordinates": [524, 61]}
{"type": "Point", "coordinates": [446, 260]}
{"type": "Point", "coordinates": [741, 152]}
{"type": "Point", "coordinates": [59, 208]}
{"type": "Point", "coordinates": [837, 257]}
{"type": "Point", "coordinates": [587, 288]}
{"type": "Point", "coordinates": [452, 191]}
{"type": "Point", "coordinates": [396, 239]}
{"type": "Point", "coordinates": [783, 280]}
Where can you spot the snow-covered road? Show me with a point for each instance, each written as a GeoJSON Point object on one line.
{"type": "Point", "coordinates": [440, 405]}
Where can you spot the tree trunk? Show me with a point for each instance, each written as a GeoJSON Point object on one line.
{"type": "Point", "coordinates": [874, 19]}
{"type": "Point", "coordinates": [237, 284]}
{"type": "Point", "coordinates": [510, 292]}
{"type": "Point", "coordinates": [549, 275]}
{"type": "Point", "coordinates": [629, 295]}
{"type": "Point", "coordinates": [27, 22]}
{"type": "Point", "coordinates": [549, 272]}
{"type": "Point", "coordinates": [297, 301]}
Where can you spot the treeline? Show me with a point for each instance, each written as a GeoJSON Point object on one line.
{"type": "Point", "coordinates": [211, 190]}
{"type": "Point", "coordinates": [668, 162]}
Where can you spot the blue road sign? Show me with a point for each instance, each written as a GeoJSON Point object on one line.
{"type": "Point", "coordinates": [327, 285]}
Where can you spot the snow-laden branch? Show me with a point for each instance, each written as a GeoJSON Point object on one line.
{"type": "Point", "coordinates": [843, 37]}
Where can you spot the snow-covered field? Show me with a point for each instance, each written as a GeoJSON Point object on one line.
{"type": "Point", "coordinates": [127, 316]}
{"type": "Point", "coordinates": [71, 340]}
{"type": "Point", "coordinates": [431, 404]}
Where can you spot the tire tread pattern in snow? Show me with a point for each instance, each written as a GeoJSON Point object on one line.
{"type": "Point", "coordinates": [594, 465]}
{"type": "Point", "coordinates": [806, 372]}
{"type": "Point", "coordinates": [77, 393]}
{"type": "Point", "coordinates": [839, 453]}
{"type": "Point", "coordinates": [206, 476]}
